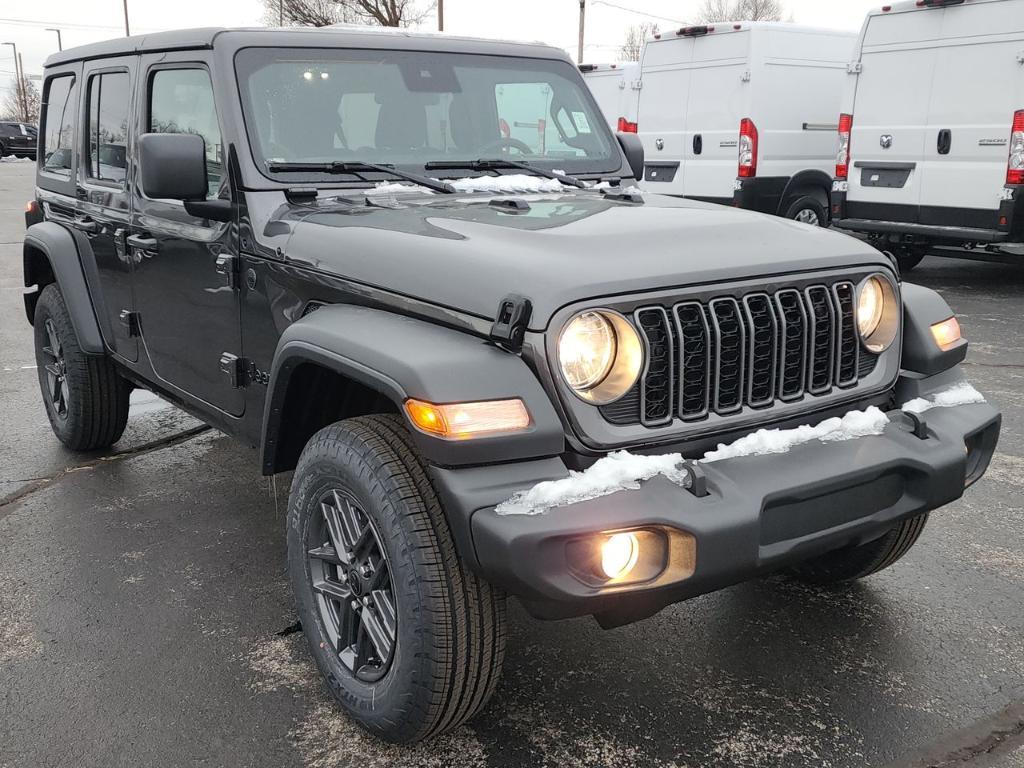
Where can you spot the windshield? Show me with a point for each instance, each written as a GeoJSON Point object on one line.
{"type": "Point", "coordinates": [410, 108]}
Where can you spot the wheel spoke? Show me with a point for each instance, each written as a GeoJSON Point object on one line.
{"type": "Point", "coordinates": [378, 632]}
{"type": "Point", "coordinates": [380, 576]}
{"type": "Point", "coordinates": [51, 332]}
{"type": "Point", "coordinates": [334, 590]}
{"type": "Point", "coordinates": [385, 608]}
{"type": "Point", "coordinates": [64, 393]}
{"type": "Point", "coordinates": [48, 351]}
{"type": "Point", "coordinates": [327, 554]}
{"type": "Point", "coordinates": [351, 528]}
{"type": "Point", "coordinates": [334, 530]}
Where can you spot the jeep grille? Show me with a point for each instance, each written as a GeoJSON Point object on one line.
{"type": "Point", "coordinates": [731, 353]}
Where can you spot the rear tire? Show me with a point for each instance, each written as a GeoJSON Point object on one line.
{"type": "Point", "coordinates": [808, 209]}
{"type": "Point", "coordinates": [855, 563]}
{"type": "Point", "coordinates": [908, 259]}
{"type": "Point", "coordinates": [86, 399]}
{"type": "Point", "coordinates": [439, 658]}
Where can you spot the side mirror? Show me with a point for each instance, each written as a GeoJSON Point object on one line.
{"type": "Point", "coordinates": [172, 166]}
{"type": "Point", "coordinates": [633, 148]}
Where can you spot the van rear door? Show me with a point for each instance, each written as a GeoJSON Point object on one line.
{"type": "Point", "coordinates": [664, 94]}
{"type": "Point", "coordinates": [890, 117]}
{"type": "Point", "coordinates": [976, 90]}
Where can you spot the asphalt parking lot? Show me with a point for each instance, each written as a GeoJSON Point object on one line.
{"type": "Point", "coordinates": [145, 618]}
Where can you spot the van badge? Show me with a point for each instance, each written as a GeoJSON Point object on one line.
{"type": "Point", "coordinates": [886, 140]}
{"type": "Point", "coordinates": [660, 144]}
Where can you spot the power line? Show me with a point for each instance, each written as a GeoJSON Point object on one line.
{"type": "Point", "coordinates": [639, 13]}
{"type": "Point", "coordinates": [36, 23]}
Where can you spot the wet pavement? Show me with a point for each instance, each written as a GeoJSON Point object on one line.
{"type": "Point", "coordinates": [145, 618]}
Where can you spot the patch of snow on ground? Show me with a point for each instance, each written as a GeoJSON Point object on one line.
{"type": "Point", "coordinates": [508, 184]}
{"type": "Point", "coordinates": [854, 424]}
{"type": "Point", "coordinates": [619, 471]}
{"type": "Point", "coordinates": [958, 394]}
{"type": "Point", "coordinates": [13, 159]}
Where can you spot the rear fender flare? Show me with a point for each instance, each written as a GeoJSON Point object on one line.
{"type": "Point", "coordinates": [58, 246]}
{"type": "Point", "coordinates": [806, 182]}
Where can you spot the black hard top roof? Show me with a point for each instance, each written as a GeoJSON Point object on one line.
{"type": "Point", "coordinates": [323, 37]}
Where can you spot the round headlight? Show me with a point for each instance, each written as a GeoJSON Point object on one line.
{"type": "Point", "coordinates": [600, 356]}
{"type": "Point", "coordinates": [586, 350]}
{"type": "Point", "coordinates": [878, 313]}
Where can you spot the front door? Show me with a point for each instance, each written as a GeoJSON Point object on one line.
{"type": "Point", "coordinates": [188, 311]}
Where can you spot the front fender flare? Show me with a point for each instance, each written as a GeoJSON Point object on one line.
{"type": "Point", "coordinates": [922, 308]}
{"type": "Point", "coordinates": [402, 358]}
{"type": "Point", "coordinates": [60, 249]}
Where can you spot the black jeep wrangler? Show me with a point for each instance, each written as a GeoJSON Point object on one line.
{"type": "Point", "coordinates": [415, 271]}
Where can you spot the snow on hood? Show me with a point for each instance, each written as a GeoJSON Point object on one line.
{"type": "Point", "coordinates": [623, 471]}
{"type": "Point", "coordinates": [513, 183]}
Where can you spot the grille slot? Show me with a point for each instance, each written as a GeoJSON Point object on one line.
{"type": "Point", "coordinates": [657, 395]}
{"type": "Point", "coordinates": [748, 351]}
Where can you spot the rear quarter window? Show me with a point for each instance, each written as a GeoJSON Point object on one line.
{"type": "Point", "coordinates": [60, 108]}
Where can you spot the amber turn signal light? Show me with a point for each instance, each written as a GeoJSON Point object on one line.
{"type": "Point", "coordinates": [462, 421]}
{"type": "Point", "coordinates": [947, 333]}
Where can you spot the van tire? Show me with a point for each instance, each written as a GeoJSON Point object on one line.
{"type": "Point", "coordinates": [908, 259]}
{"type": "Point", "coordinates": [858, 562]}
{"type": "Point", "coordinates": [91, 410]}
{"type": "Point", "coordinates": [445, 627]}
{"type": "Point", "coordinates": [808, 209]}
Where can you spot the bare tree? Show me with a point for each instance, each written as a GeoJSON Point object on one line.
{"type": "Point", "coordinates": [636, 35]}
{"type": "Point", "coordinates": [11, 108]}
{"type": "Point", "coordinates": [322, 13]}
{"type": "Point", "coordinates": [741, 10]}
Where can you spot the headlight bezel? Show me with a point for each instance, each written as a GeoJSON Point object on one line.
{"type": "Point", "coordinates": [886, 330]}
{"type": "Point", "coordinates": [627, 361]}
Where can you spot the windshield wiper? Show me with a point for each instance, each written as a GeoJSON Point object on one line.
{"type": "Point", "coordinates": [502, 163]}
{"type": "Point", "coordinates": [358, 168]}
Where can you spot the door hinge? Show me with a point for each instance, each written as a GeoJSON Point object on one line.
{"type": "Point", "coordinates": [637, 85]}
{"type": "Point", "coordinates": [510, 324]}
{"type": "Point", "coordinates": [236, 369]}
{"type": "Point", "coordinates": [121, 244]}
{"type": "Point", "coordinates": [745, 77]}
{"type": "Point", "coordinates": [130, 320]}
{"type": "Point", "coordinates": [854, 68]}
{"type": "Point", "coordinates": [227, 265]}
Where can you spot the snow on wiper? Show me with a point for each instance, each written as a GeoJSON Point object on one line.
{"type": "Point", "coordinates": [357, 169]}
{"type": "Point", "coordinates": [496, 164]}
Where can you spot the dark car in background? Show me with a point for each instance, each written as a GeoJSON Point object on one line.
{"type": "Point", "coordinates": [18, 139]}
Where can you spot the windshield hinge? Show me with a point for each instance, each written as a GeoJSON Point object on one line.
{"type": "Point", "coordinates": [854, 68]}
{"type": "Point", "coordinates": [300, 195]}
{"type": "Point", "coordinates": [510, 324]}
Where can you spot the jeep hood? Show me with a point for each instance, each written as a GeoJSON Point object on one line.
{"type": "Point", "coordinates": [466, 253]}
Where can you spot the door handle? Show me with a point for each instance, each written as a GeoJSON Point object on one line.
{"type": "Point", "coordinates": [698, 143]}
{"type": "Point", "coordinates": [85, 224]}
{"type": "Point", "coordinates": [142, 243]}
{"type": "Point", "coordinates": [945, 141]}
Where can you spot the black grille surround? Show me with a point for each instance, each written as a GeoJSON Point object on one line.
{"type": "Point", "coordinates": [748, 353]}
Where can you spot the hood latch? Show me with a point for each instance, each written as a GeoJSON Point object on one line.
{"type": "Point", "coordinates": [512, 319]}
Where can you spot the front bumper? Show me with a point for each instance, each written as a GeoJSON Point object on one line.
{"type": "Point", "coordinates": [761, 512]}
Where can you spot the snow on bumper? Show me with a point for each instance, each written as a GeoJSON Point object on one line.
{"type": "Point", "coordinates": [761, 511]}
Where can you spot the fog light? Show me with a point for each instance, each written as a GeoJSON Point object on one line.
{"type": "Point", "coordinates": [947, 333]}
{"type": "Point", "coordinates": [619, 555]}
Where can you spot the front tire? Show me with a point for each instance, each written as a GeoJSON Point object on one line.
{"type": "Point", "coordinates": [86, 399]}
{"type": "Point", "coordinates": [858, 562]}
{"type": "Point", "coordinates": [409, 641]}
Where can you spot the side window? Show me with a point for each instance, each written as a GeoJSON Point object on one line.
{"type": "Point", "coordinates": [181, 101]}
{"type": "Point", "coordinates": [109, 94]}
{"type": "Point", "coordinates": [59, 112]}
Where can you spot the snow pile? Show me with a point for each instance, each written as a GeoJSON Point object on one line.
{"type": "Point", "coordinates": [959, 394]}
{"type": "Point", "coordinates": [620, 471]}
{"type": "Point", "coordinates": [854, 424]}
{"type": "Point", "coordinates": [632, 189]}
{"type": "Point", "coordinates": [391, 188]}
{"type": "Point", "coordinates": [13, 159]}
{"type": "Point", "coordinates": [508, 184]}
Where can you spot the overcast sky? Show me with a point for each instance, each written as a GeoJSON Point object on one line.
{"type": "Point", "coordinates": [553, 21]}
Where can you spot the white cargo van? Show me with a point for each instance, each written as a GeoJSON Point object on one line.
{"type": "Point", "coordinates": [932, 136]}
{"type": "Point", "coordinates": [616, 87]}
{"type": "Point", "coordinates": [744, 114]}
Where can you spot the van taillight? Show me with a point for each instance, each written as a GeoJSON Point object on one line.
{"type": "Point", "coordinates": [748, 149]}
{"type": "Point", "coordinates": [843, 154]}
{"type": "Point", "coordinates": [1015, 167]}
{"type": "Point", "coordinates": [627, 127]}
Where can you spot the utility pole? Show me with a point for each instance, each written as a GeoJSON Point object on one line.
{"type": "Point", "coordinates": [60, 46]}
{"type": "Point", "coordinates": [20, 85]}
{"type": "Point", "coordinates": [583, 12]}
{"type": "Point", "coordinates": [440, 15]}
{"type": "Point", "coordinates": [24, 90]}
{"type": "Point", "coordinates": [127, 33]}
{"type": "Point", "coordinates": [280, 13]}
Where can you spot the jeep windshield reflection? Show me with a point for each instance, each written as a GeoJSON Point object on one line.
{"type": "Point", "coordinates": [417, 109]}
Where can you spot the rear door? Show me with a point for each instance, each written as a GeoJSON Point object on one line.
{"type": "Point", "coordinates": [719, 99]}
{"type": "Point", "coordinates": [977, 84]}
{"type": "Point", "coordinates": [662, 114]}
{"type": "Point", "coordinates": [607, 85]}
{"type": "Point", "coordinates": [890, 118]}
